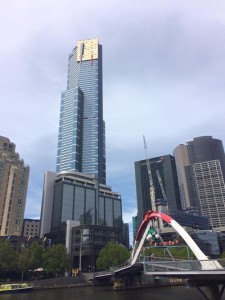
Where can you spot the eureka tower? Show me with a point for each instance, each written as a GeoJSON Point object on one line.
{"type": "Point", "coordinates": [81, 138]}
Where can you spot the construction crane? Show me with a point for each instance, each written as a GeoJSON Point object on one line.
{"type": "Point", "coordinates": [161, 184]}
{"type": "Point", "coordinates": [163, 192]}
{"type": "Point", "coordinates": [151, 188]}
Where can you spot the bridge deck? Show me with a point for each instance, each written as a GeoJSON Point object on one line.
{"type": "Point", "coordinates": [178, 268]}
{"type": "Point", "coordinates": [186, 269]}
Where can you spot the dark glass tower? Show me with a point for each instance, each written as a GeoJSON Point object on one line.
{"type": "Point", "coordinates": [205, 178]}
{"type": "Point", "coordinates": [167, 169]}
{"type": "Point", "coordinates": [206, 148]}
{"type": "Point", "coordinates": [81, 139]}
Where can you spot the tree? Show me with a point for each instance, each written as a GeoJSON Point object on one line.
{"type": "Point", "coordinates": [112, 255]}
{"type": "Point", "coordinates": [8, 256]}
{"type": "Point", "coordinates": [24, 260]}
{"type": "Point", "coordinates": [56, 259]}
{"type": "Point", "coordinates": [36, 256]}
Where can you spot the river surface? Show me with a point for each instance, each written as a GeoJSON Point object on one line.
{"type": "Point", "coordinates": [107, 293]}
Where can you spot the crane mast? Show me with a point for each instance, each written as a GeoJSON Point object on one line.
{"type": "Point", "coordinates": [152, 188]}
{"type": "Point", "coordinates": [161, 184]}
{"type": "Point", "coordinates": [163, 192]}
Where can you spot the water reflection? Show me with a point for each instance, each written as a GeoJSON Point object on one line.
{"type": "Point", "coordinates": [107, 293]}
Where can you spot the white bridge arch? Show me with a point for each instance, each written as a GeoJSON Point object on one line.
{"type": "Point", "coordinates": [145, 226]}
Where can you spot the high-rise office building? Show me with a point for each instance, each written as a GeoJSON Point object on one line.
{"type": "Point", "coordinates": [79, 197]}
{"type": "Point", "coordinates": [14, 176]}
{"type": "Point", "coordinates": [135, 225]}
{"type": "Point", "coordinates": [205, 177]}
{"type": "Point", "coordinates": [166, 167]}
{"type": "Point", "coordinates": [205, 148]}
{"type": "Point", "coordinates": [82, 213]}
{"type": "Point", "coordinates": [81, 138]}
{"type": "Point", "coordinates": [210, 191]}
{"type": "Point", "coordinates": [202, 170]}
{"type": "Point", "coordinates": [77, 204]}
{"type": "Point", "coordinates": [181, 157]}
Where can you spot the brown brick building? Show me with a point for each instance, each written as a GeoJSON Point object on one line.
{"type": "Point", "coordinates": [14, 176]}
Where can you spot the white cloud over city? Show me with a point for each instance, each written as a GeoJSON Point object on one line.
{"type": "Point", "coordinates": [164, 73]}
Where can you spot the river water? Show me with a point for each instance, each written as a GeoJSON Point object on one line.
{"type": "Point", "coordinates": [107, 293]}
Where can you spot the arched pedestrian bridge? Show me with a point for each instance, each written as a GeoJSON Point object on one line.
{"type": "Point", "coordinates": [198, 273]}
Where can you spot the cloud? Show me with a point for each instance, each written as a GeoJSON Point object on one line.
{"type": "Point", "coordinates": [128, 214]}
{"type": "Point", "coordinates": [163, 77]}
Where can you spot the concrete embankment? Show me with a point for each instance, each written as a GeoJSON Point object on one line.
{"type": "Point", "coordinates": [63, 282]}
{"type": "Point", "coordinates": [146, 282]}
{"type": "Point", "coordinates": [86, 279]}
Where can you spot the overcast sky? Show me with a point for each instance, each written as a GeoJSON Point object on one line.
{"type": "Point", "coordinates": [164, 77]}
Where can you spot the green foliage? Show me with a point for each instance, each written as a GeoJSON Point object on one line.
{"type": "Point", "coordinates": [31, 258]}
{"type": "Point", "coordinates": [8, 256]}
{"type": "Point", "coordinates": [36, 256]}
{"type": "Point", "coordinates": [56, 259]}
{"type": "Point", "coordinates": [24, 259]}
{"type": "Point", "coordinates": [222, 255]}
{"type": "Point", "coordinates": [176, 252]}
{"type": "Point", "coordinates": [112, 255]}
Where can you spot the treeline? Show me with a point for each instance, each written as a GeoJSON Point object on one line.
{"type": "Point", "coordinates": [54, 260]}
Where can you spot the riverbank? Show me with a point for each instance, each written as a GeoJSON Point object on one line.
{"type": "Point", "coordinates": [107, 292]}
{"type": "Point", "coordinates": [62, 282]}
{"type": "Point", "coordinates": [87, 280]}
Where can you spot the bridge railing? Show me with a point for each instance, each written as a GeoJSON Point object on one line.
{"type": "Point", "coordinates": [104, 273]}
{"type": "Point", "coordinates": [155, 258]}
{"type": "Point", "coordinates": [112, 270]}
{"type": "Point", "coordinates": [182, 266]}
{"type": "Point", "coordinates": [163, 264]}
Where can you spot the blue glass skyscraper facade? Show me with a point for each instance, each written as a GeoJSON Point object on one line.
{"type": "Point", "coordinates": [81, 139]}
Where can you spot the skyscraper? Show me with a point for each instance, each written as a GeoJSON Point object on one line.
{"type": "Point", "coordinates": [81, 138]}
{"type": "Point", "coordinates": [14, 176]}
{"type": "Point", "coordinates": [181, 157]}
{"type": "Point", "coordinates": [206, 148]}
{"type": "Point", "coordinates": [78, 208]}
{"type": "Point", "coordinates": [211, 191]}
{"type": "Point", "coordinates": [202, 168]}
{"type": "Point", "coordinates": [167, 170]}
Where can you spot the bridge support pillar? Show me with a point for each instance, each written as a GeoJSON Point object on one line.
{"type": "Point", "coordinates": [213, 292]}
{"type": "Point", "coordinates": [211, 289]}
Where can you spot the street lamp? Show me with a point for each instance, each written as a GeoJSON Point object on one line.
{"type": "Point", "coordinates": [80, 256]}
